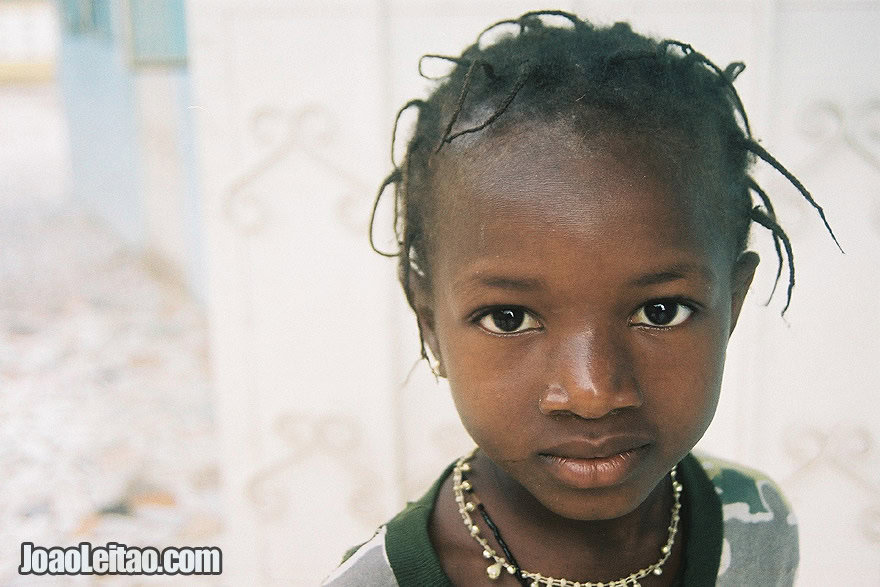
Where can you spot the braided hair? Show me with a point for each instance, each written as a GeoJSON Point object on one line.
{"type": "Point", "coordinates": [610, 80]}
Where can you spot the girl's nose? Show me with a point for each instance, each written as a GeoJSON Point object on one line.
{"type": "Point", "coordinates": [590, 376]}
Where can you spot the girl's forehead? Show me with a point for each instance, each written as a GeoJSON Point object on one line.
{"type": "Point", "coordinates": [515, 193]}
{"type": "Point", "coordinates": [553, 172]}
{"type": "Point", "coordinates": [549, 150]}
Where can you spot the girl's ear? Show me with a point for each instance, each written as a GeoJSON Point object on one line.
{"type": "Point", "coordinates": [743, 272]}
{"type": "Point", "coordinates": [423, 305]}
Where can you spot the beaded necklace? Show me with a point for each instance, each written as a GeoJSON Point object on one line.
{"type": "Point", "coordinates": [506, 561]}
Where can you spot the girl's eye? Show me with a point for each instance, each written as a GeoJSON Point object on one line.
{"type": "Point", "coordinates": [662, 313]}
{"type": "Point", "coordinates": [508, 321]}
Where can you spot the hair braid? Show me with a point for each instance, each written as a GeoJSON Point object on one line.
{"type": "Point", "coordinates": [761, 218]}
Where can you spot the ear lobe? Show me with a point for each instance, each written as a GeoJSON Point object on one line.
{"type": "Point", "coordinates": [423, 305]}
{"type": "Point", "coordinates": [743, 272]}
{"type": "Point", "coordinates": [428, 334]}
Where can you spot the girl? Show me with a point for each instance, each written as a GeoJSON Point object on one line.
{"type": "Point", "coordinates": [572, 213]}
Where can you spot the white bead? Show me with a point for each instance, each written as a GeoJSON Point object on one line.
{"type": "Point", "coordinates": [494, 571]}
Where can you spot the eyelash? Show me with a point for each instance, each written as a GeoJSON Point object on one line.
{"type": "Point", "coordinates": [492, 327]}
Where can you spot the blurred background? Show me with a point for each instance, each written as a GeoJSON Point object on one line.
{"type": "Point", "coordinates": [197, 346]}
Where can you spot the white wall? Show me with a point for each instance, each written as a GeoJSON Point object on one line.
{"type": "Point", "coordinates": [28, 41]}
{"type": "Point", "coordinates": [325, 436]}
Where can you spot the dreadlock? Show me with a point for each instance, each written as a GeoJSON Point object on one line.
{"type": "Point", "coordinates": [612, 80]}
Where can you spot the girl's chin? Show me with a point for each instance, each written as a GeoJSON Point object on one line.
{"type": "Point", "coordinates": [592, 508]}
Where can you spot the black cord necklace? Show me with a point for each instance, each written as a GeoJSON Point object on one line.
{"type": "Point", "coordinates": [507, 554]}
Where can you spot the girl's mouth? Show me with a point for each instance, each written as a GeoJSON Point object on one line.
{"type": "Point", "coordinates": [593, 473]}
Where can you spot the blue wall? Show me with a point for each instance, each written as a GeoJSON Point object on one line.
{"type": "Point", "coordinates": [98, 93]}
{"type": "Point", "coordinates": [105, 44]}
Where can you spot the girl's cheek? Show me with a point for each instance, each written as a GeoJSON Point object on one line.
{"type": "Point", "coordinates": [491, 375]}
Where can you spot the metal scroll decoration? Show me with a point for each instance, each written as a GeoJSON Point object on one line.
{"type": "Point", "coordinates": [336, 437]}
{"type": "Point", "coordinates": [845, 449]}
{"type": "Point", "coordinates": [857, 129]}
{"type": "Point", "coordinates": [308, 131]}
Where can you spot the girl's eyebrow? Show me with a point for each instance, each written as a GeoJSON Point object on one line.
{"type": "Point", "coordinates": [674, 273]}
{"type": "Point", "coordinates": [504, 282]}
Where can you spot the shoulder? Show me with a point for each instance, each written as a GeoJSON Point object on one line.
{"type": "Point", "coordinates": [399, 554]}
{"type": "Point", "coordinates": [366, 564]}
{"type": "Point", "coordinates": [377, 562]}
{"type": "Point", "coordinates": [760, 544]}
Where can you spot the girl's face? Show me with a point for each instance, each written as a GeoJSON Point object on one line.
{"type": "Point", "coordinates": [580, 308]}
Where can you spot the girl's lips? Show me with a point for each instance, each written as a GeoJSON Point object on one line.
{"type": "Point", "coordinates": [593, 473]}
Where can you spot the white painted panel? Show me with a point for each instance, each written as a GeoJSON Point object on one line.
{"type": "Point", "coordinates": [817, 422]}
{"type": "Point", "coordinates": [287, 99]}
